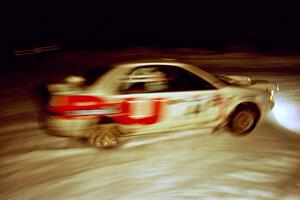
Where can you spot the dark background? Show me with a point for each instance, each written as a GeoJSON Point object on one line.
{"type": "Point", "coordinates": [113, 25]}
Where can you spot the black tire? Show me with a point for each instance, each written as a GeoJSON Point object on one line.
{"type": "Point", "coordinates": [243, 121]}
{"type": "Point", "coordinates": [105, 136]}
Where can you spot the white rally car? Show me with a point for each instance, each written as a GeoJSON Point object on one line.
{"type": "Point", "coordinates": [139, 98]}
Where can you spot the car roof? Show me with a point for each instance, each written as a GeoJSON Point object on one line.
{"type": "Point", "coordinates": [150, 61]}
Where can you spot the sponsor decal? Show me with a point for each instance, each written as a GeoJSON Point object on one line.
{"type": "Point", "coordinates": [126, 114]}
{"type": "Point", "coordinates": [102, 111]}
{"type": "Point", "coordinates": [133, 111]}
{"type": "Point", "coordinates": [61, 104]}
{"type": "Point", "coordinates": [87, 107]}
{"type": "Point", "coordinates": [203, 104]}
{"type": "Point", "coordinates": [81, 106]}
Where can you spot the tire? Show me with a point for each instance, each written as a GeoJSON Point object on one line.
{"type": "Point", "coordinates": [243, 121]}
{"type": "Point", "coordinates": [105, 136]}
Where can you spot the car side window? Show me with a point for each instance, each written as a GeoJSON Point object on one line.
{"type": "Point", "coordinates": [163, 78]}
{"type": "Point", "coordinates": [182, 80]}
{"type": "Point", "coordinates": [144, 80]}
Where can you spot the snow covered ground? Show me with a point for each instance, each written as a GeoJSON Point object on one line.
{"type": "Point", "coordinates": [263, 165]}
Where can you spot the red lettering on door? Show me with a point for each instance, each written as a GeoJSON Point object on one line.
{"type": "Point", "coordinates": [126, 109]}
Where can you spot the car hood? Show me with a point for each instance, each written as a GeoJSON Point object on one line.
{"type": "Point", "coordinates": [247, 82]}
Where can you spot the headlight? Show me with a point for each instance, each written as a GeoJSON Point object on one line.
{"type": "Point", "coordinates": [271, 98]}
{"type": "Point", "coordinates": [277, 88]}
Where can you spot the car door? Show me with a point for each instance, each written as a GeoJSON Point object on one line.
{"type": "Point", "coordinates": [192, 100]}
{"type": "Point", "coordinates": [140, 91]}
{"type": "Point", "coordinates": [168, 96]}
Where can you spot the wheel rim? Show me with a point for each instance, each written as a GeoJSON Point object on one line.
{"type": "Point", "coordinates": [105, 138]}
{"type": "Point", "coordinates": [243, 121]}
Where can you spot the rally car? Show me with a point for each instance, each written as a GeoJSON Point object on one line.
{"type": "Point", "coordinates": [138, 98]}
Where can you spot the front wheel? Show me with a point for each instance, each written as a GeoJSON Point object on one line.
{"type": "Point", "coordinates": [243, 121]}
{"type": "Point", "coordinates": [105, 136]}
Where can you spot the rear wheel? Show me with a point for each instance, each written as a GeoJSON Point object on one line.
{"type": "Point", "coordinates": [243, 121]}
{"type": "Point", "coordinates": [105, 136]}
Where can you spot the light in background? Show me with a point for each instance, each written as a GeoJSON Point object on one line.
{"type": "Point", "coordinates": [287, 114]}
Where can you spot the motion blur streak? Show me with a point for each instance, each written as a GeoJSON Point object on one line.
{"type": "Point", "coordinates": [264, 165]}
{"type": "Point", "coordinates": [287, 114]}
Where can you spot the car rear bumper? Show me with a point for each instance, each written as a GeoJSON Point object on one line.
{"type": "Point", "coordinates": [70, 127]}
